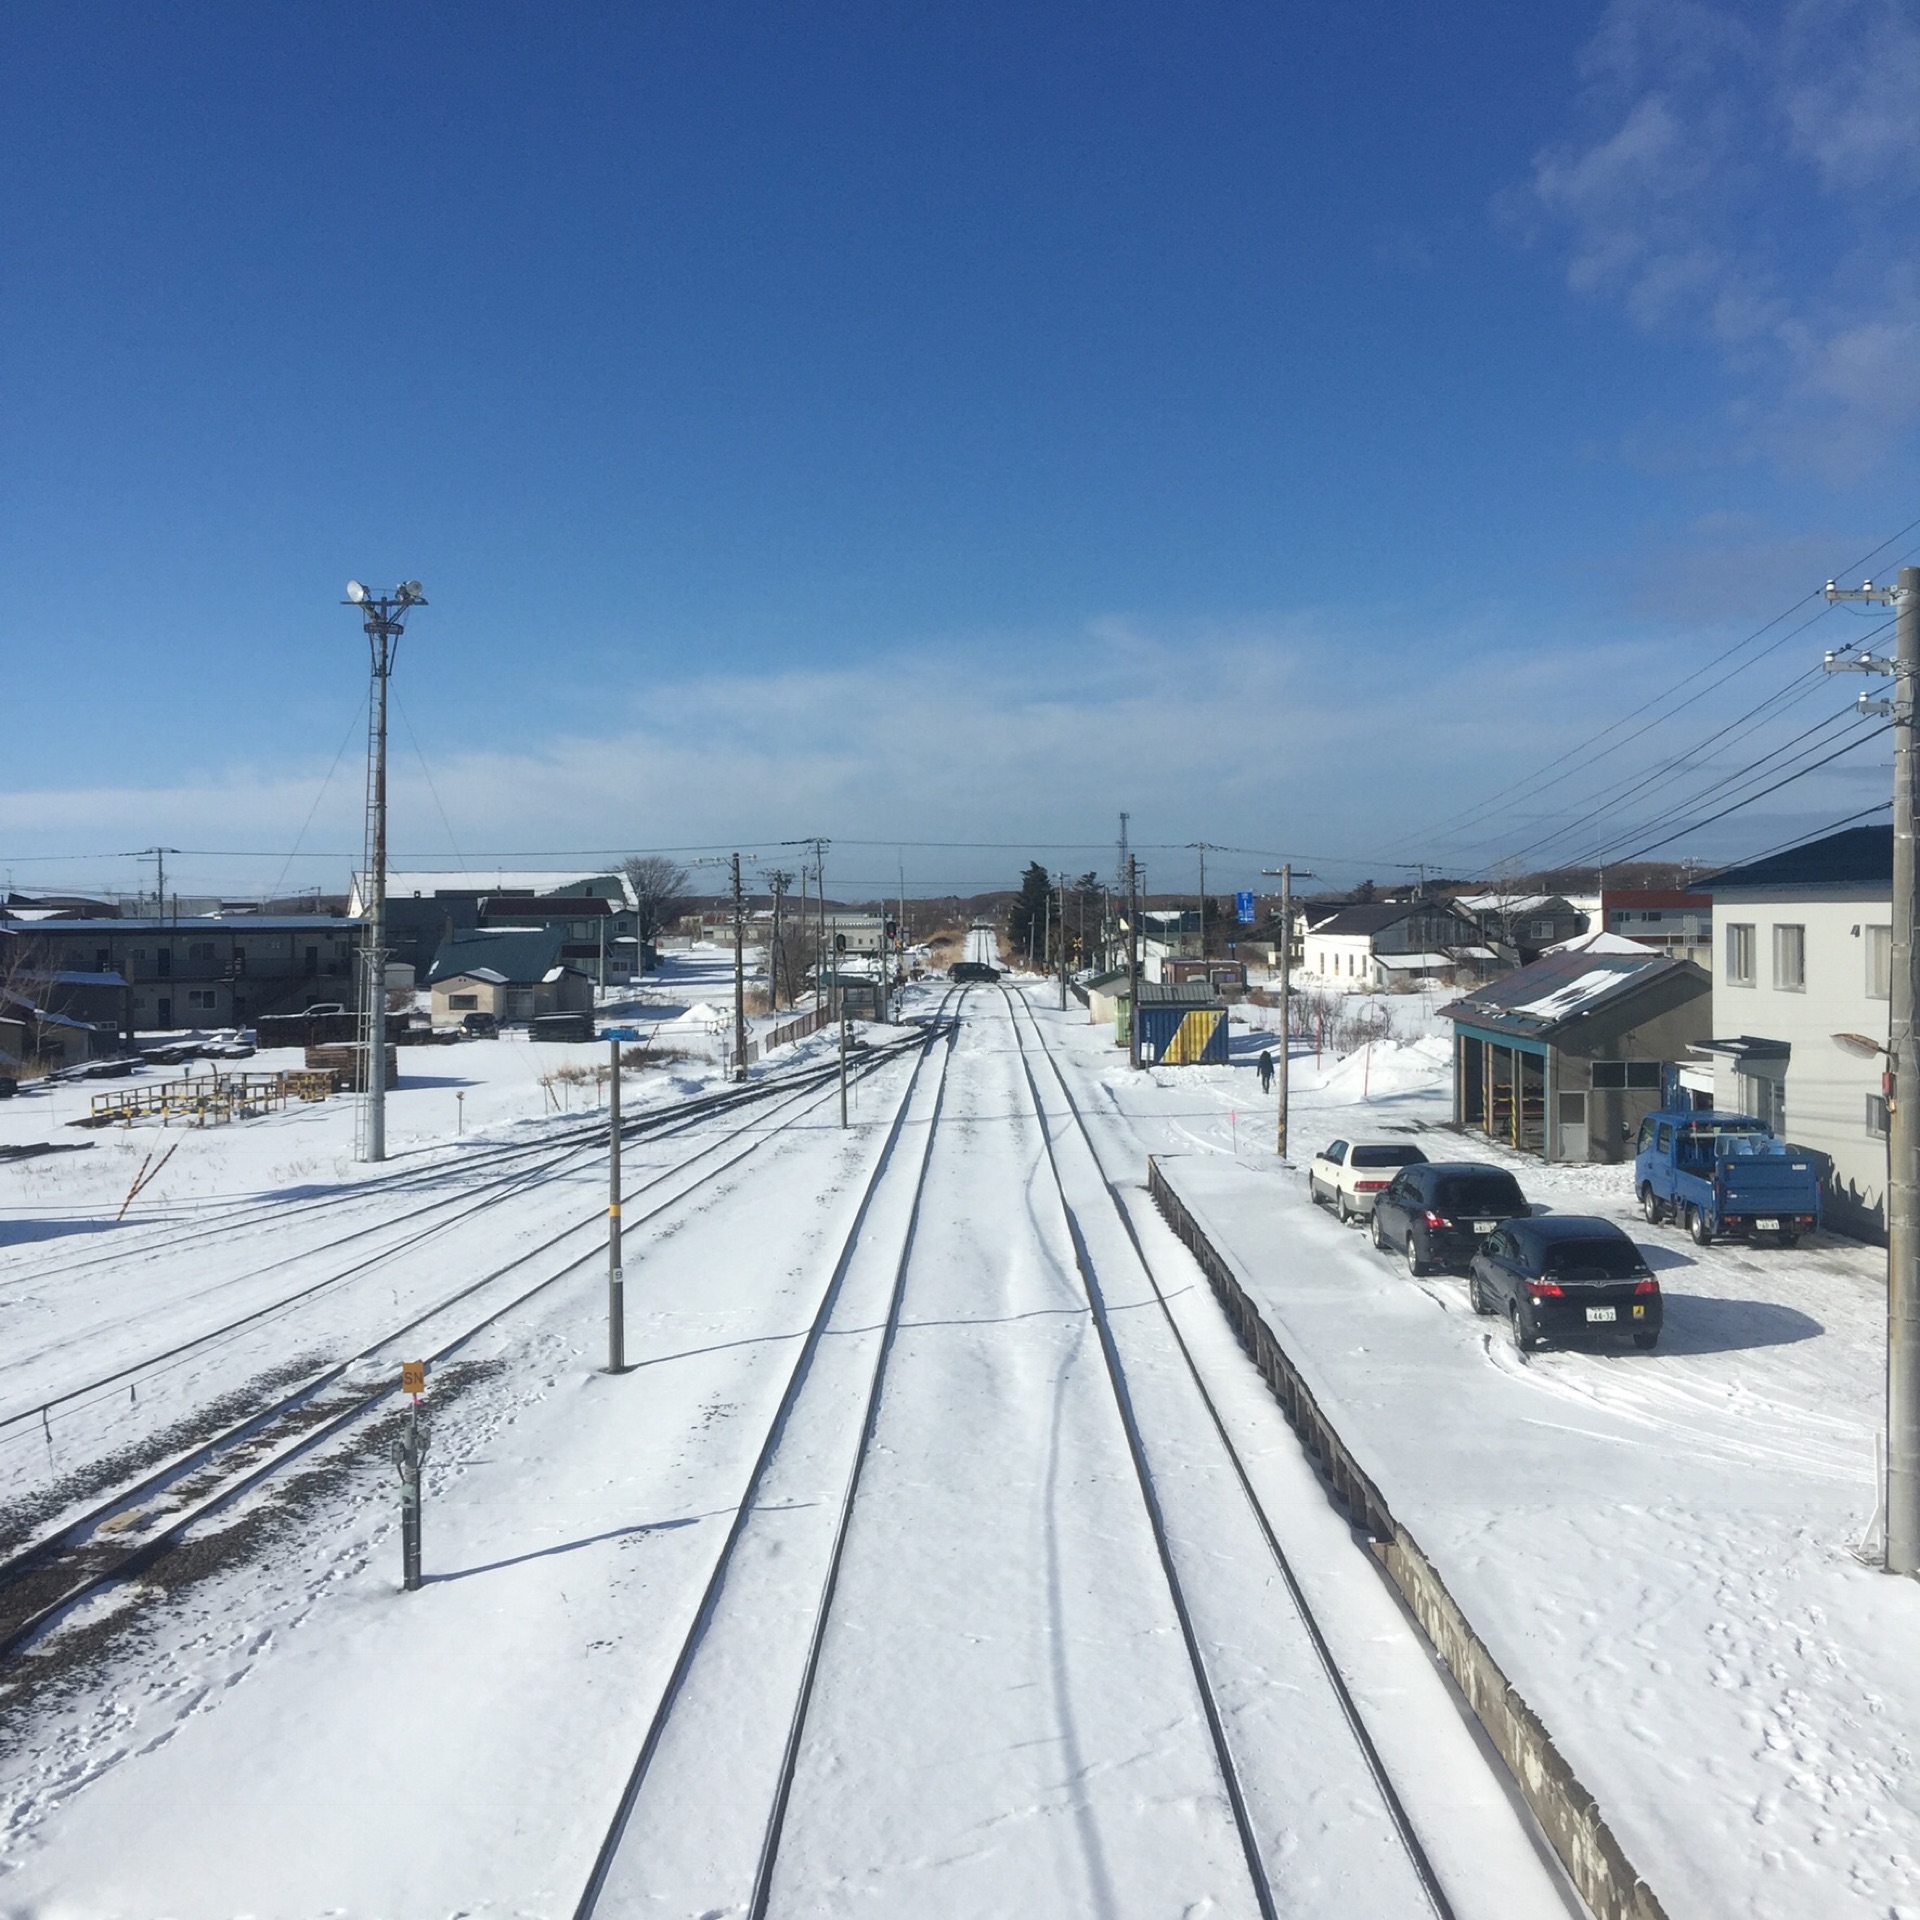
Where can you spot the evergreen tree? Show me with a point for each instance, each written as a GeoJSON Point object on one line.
{"type": "Point", "coordinates": [1028, 916]}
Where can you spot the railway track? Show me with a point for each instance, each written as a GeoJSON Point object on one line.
{"type": "Point", "coordinates": [124, 1532]}
{"type": "Point", "coordinates": [631, 1870]}
{"type": "Point", "coordinates": [612, 1859]}
{"type": "Point", "coordinates": [527, 1164]}
{"type": "Point", "coordinates": [1024, 1020]}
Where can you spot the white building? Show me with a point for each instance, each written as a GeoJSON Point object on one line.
{"type": "Point", "coordinates": [1803, 950]}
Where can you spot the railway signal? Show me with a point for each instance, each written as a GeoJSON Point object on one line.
{"type": "Point", "coordinates": [409, 1456]}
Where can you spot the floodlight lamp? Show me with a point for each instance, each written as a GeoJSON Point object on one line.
{"type": "Point", "coordinates": [356, 592]}
{"type": "Point", "coordinates": [412, 590]}
{"type": "Point", "coordinates": [1857, 1044]}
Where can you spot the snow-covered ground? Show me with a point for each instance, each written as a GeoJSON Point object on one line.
{"type": "Point", "coordinates": [999, 1711]}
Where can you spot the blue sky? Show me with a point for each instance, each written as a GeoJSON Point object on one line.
{"type": "Point", "coordinates": [922, 422]}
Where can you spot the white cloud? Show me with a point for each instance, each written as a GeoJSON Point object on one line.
{"type": "Point", "coordinates": [1750, 176]}
{"type": "Point", "coordinates": [1249, 736]}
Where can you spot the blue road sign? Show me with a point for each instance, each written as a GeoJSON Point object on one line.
{"type": "Point", "coordinates": [1243, 905]}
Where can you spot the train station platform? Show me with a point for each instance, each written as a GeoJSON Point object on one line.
{"type": "Point", "coordinates": [1637, 1566]}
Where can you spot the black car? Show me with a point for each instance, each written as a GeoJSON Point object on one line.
{"type": "Point", "coordinates": [1438, 1215]}
{"type": "Point", "coordinates": [1566, 1277]}
{"type": "Point", "coordinates": [479, 1026]}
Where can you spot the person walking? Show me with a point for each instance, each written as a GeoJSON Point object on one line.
{"type": "Point", "coordinates": [1266, 1071]}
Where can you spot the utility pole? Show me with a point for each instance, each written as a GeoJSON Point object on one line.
{"type": "Point", "coordinates": [779, 880]}
{"type": "Point", "coordinates": [1046, 934]}
{"type": "Point", "coordinates": [616, 1272]}
{"type": "Point", "coordinates": [1903, 1121]}
{"type": "Point", "coordinates": [1202, 847]}
{"type": "Point", "coordinates": [384, 615]}
{"type": "Point", "coordinates": [158, 855]}
{"type": "Point", "coordinates": [840, 1007]}
{"type": "Point", "coordinates": [819, 846]}
{"type": "Point", "coordinates": [1133, 959]}
{"type": "Point", "coordinates": [1286, 996]}
{"type": "Point", "coordinates": [739, 977]}
{"type": "Point", "coordinates": [1063, 943]}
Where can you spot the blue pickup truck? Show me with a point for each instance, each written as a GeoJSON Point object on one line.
{"type": "Point", "coordinates": [1724, 1173]}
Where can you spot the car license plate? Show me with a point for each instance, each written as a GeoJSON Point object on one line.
{"type": "Point", "coordinates": [1485, 1226]}
{"type": "Point", "coordinates": [1600, 1313]}
{"type": "Point", "coordinates": [1766, 1226]}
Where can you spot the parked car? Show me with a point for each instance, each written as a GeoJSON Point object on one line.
{"type": "Point", "coordinates": [1350, 1175]}
{"type": "Point", "coordinates": [1565, 1276]}
{"type": "Point", "coordinates": [1727, 1173]}
{"type": "Point", "coordinates": [1437, 1214]}
{"type": "Point", "coordinates": [479, 1026]}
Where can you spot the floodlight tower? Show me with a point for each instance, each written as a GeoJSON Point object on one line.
{"type": "Point", "coordinates": [384, 615]}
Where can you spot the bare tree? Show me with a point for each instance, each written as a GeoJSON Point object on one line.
{"type": "Point", "coordinates": [659, 892]}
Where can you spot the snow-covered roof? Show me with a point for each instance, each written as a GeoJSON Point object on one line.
{"type": "Point", "coordinates": [1508, 902]}
{"type": "Point", "coordinates": [1560, 987]}
{"type": "Point", "coordinates": [1413, 962]}
{"type": "Point", "coordinates": [485, 975]}
{"type": "Point", "coordinates": [1600, 941]}
{"type": "Point", "coordinates": [424, 883]}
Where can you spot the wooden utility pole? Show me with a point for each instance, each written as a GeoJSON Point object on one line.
{"type": "Point", "coordinates": [779, 880]}
{"type": "Point", "coordinates": [739, 976]}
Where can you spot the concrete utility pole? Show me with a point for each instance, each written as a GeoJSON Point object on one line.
{"type": "Point", "coordinates": [1903, 1121]}
{"type": "Point", "coordinates": [739, 977]}
{"type": "Point", "coordinates": [1133, 960]}
{"type": "Point", "coordinates": [1202, 848]}
{"type": "Point", "coordinates": [779, 880]}
{"type": "Point", "coordinates": [839, 1007]}
{"type": "Point", "coordinates": [1286, 994]}
{"type": "Point", "coordinates": [616, 1271]}
{"type": "Point", "coordinates": [1063, 946]}
{"type": "Point", "coordinates": [384, 615]}
{"type": "Point", "coordinates": [819, 846]}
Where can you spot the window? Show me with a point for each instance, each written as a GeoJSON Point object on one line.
{"type": "Point", "coordinates": [1666, 1138]}
{"type": "Point", "coordinates": [463, 1002]}
{"type": "Point", "coordinates": [1877, 1115]}
{"type": "Point", "coordinates": [201, 997]}
{"type": "Point", "coordinates": [1879, 963]}
{"type": "Point", "coordinates": [1646, 1136]}
{"type": "Point", "coordinates": [1740, 956]}
{"type": "Point", "coordinates": [200, 950]}
{"type": "Point", "coordinates": [1643, 1076]}
{"type": "Point", "coordinates": [1790, 959]}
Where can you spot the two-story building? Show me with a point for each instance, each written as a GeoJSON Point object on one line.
{"type": "Point", "coordinates": [201, 972]}
{"type": "Point", "coordinates": [1803, 950]}
{"type": "Point", "coordinates": [425, 909]}
{"type": "Point", "coordinates": [1366, 949]}
{"type": "Point", "coordinates": [1676, 923]}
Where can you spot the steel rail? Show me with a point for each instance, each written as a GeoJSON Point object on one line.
{"type": "Point", "coordinates": [1350, 1711]}
{"type": "Point", "coordinates": [1150, 1497]}
{"type": "Point", "coordinates": [77, 1531]}
{"type": "Point", "coordinates": [666, 1125]}
{"type": "Point", "coordinates": [609, 1849]}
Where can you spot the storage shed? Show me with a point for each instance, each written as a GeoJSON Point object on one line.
{"type": "Point", "coordinates": [1587, 1040]}
{"type": "Point", "coordinates": [1181, 1025]}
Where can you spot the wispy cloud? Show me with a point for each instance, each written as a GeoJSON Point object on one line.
{"type": "Point", "coordinates": [1750, 175]}
{"type": "Point", "coordinates": [1251, 736]}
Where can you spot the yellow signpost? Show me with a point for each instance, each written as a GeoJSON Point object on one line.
{"type": "Point", "coordinates": [413, 1377]}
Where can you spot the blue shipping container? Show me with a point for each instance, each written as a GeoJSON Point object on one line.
{"type": "Point", "coordinates": [1177, 1036]}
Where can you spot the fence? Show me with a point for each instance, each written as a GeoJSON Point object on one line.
{"type": "Point", "coordinates": [207, 1098]}
{"type": "Point", "coordinates": [783, 1035]}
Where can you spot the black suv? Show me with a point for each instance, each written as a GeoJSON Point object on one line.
{"type": "Point", "coordinates": [1566, 1277]}
{"type": "Point", "coordinates": [1438, 1215]}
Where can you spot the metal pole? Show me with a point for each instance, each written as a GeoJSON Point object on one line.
{"type": "Point", "coordinates": [1286, 1001]}
{"type": "Point", "coordinates": [409, 1458]}
{"type": "Point", "coordinates": [375, 1091]}
{"type": "Point", "coordinates": [1133, 957]}
{"type": "Point", "coordinates": [1203, 903]}
{"type": "Point", "coordinates": [739, 978]}
{"type": "Point", "coordinates": [1903, 1126]}
{"type": "Point", "coordinates": [616, 1274]}
{"type": "Point", "coordinates": [1063, 946]}
{"type": "Point", "coordinates": [839, 1007]}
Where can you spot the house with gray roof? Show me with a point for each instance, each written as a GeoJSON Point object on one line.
{"type": "Point", "coordinates": [1565, 1057]}
{"type": "Point", "coordinates": [514, 973]}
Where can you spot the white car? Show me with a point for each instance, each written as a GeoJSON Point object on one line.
{"type": "Point", "coordinates": [1351, 1175]}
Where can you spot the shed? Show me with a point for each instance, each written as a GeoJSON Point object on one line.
{"type": "Point", "coordinates": [1182, 1024]}
{"type": "Point", "coordinates": [1593, 1040]}
{"type": "Point", "coordinates": [1106, 994]}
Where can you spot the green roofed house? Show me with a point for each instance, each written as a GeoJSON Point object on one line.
{"type": "Point", "coordinates": [514, 973]}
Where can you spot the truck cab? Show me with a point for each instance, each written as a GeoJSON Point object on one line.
{"type": "Point", "coordinates": [1724, 1175]}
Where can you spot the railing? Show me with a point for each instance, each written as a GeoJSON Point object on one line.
{"type": "Point", "coordinates": [207, 1098]}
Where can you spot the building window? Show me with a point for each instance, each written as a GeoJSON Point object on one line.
{"type": "Point", "coordinates": [463, 1002]}
{"type": "Point", "coordinates": [1879, 963]}
{"type": "Point", "coordinates": [1639, 1076]}
{"type": "Point", "coordinates": [1740, 956]}
{"type": "Point", "coordinates": [200, 950]}
{"type": "Point", "coordinates": [1877, 1115]}
{"type": "Point", "coordinates": [201, 997]}
{"type": "Point", "coordinates": [1790, 959]}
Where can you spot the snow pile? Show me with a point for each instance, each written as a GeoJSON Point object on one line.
{"type": "Point", "coordinates": [1387, 1069]}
